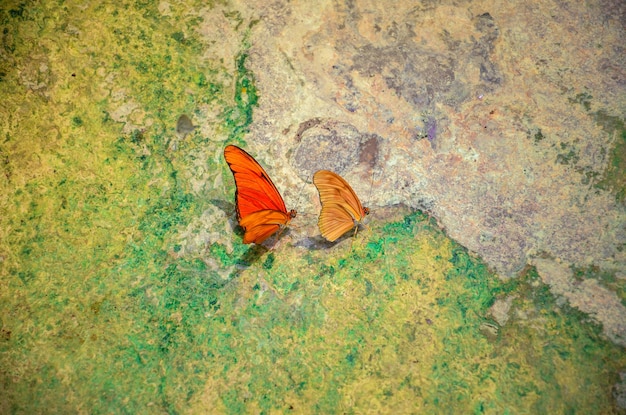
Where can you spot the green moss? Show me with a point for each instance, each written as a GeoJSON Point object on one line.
{"type": "Point", "coordinates": [606, 278]}
{"type": "Point", "coordinates": [614, 177]}
{"type": "Point", "coordinates": [538, 136]}
{"type": "Point", "coordinates": [571, 157]}
{"type": "Point", "coordinates": [418, 344]}
{"type": "Point", "coordinates": [239, 116]}
{"type": "Point", "coordinates": [583, 99]}
{"type": "Point", "coordinates": [535, 134]}
{"type": "Point", "coordinates": [77, 121]}
{"type": "Point", "coordinates": [269, 261]}
{"type": "Point", "coordinates": [178, 36]}
{"type": "Point", "coordinates": [18, 12]}
{"type": "Point", "coordinates": [94, 282]}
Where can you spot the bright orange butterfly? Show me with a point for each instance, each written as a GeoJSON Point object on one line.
{"type": "Point", "coordinates": [341, 207]}
{"type": "Point", "coordinates": [261, 210]}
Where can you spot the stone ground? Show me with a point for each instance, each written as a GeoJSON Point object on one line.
{"type": "Point", "coordinates": [503, 121]}
{"type": "Point", "coordinates": [124, 283]}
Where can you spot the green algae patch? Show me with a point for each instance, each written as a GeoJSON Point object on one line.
{"type": "Point", "coordinates": [613, 178]}
{"type": "Point", "coordinates": [606, 278]}
{"type": "Point", "coordinates": [399, 320]}
{"type": "Point", "coordinates": [100, 311]}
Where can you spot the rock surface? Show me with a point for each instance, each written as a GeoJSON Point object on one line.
{"type": "Point", "coordinates": [490, 116]}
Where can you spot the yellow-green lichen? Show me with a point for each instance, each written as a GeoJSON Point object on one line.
{"type": "Point", "coordinates": [89, 211]}
{"type": "Point", "coordinates": [394, 322]}
{"type": "Point", "coordinates": [614, 176]}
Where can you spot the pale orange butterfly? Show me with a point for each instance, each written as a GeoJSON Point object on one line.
{"type": "Point", "coordinates": [341, 207]}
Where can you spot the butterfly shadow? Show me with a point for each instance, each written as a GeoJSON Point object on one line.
{"type": "Point", "coordinates": [226, 207]}
{"type": "Point", "coordinates": [256, 251]}
{"type": "Point", "coordinates": [319, 243]}
{"type": "Point", "coordinates": [252, 255]}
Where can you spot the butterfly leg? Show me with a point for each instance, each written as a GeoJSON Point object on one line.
{"type": "Point", "coordinates": [356, 227]}
{"type": "Point", "coordinates": [277, 236]}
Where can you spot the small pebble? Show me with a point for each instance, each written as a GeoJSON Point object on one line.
{"type": "Point", "coordinates": [184, 126]}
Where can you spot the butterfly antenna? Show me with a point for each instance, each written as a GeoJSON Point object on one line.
{"type": "Point", "coordinates": [300, 193]}
{"type": "Point", "coordinates": [369, 197]}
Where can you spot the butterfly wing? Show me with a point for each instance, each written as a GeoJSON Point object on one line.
{"type": "Point", "coordinates": [341, 207]}
{"type": "Point", "coordinates": [255, 189]}
{"type": "Point", "coordinates": [261, 225]}
{"type": "Point", "coordinates": [260, 208]}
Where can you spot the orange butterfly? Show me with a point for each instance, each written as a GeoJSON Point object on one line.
{"type": "Point", "coordinates": [341, 207]}
{"type": "Point", "coordinates": [261, 210]}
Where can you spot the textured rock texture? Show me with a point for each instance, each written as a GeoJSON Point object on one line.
{"type": "Point", "coordinates": [498, 119]}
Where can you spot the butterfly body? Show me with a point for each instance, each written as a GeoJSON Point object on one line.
{"type": "Point", "coordinates": [341, 207]}
{"type": "Point", "coordinates": [261, 210]}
